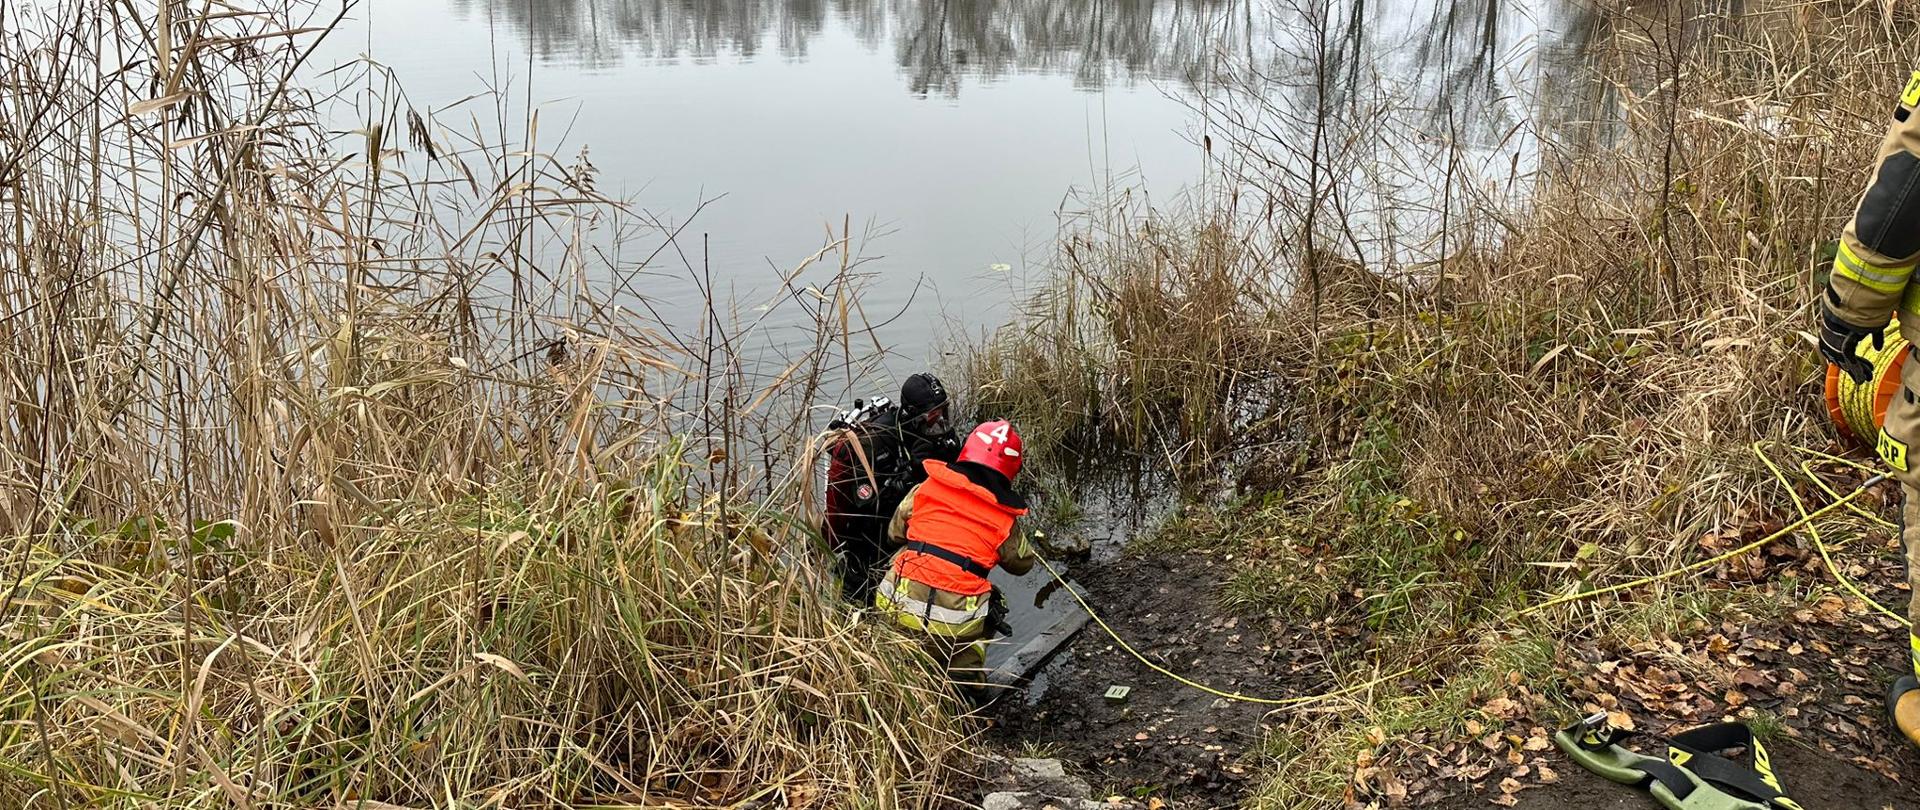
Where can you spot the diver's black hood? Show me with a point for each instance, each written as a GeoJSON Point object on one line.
{"type": "Point", "coordinates": [921, 394]}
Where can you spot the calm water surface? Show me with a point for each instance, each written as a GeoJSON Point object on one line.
{"type": "Point", "coordinates": [954, 135]}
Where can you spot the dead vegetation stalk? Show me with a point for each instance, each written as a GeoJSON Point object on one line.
{"type": "Point", "coordinates": [346, 464]}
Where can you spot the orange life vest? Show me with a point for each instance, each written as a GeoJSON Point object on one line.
{"type": "Point", "coordinates": [957, 517]}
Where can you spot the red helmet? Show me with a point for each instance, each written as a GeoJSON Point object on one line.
{"type": "Point", "coordinates": [995, 446]}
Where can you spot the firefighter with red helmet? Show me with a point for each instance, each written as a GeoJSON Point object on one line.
{"type": "Point", "coordinates": [956, 527]}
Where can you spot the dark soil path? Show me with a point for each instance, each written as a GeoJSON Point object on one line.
{"type": "Point", "coordinates": [1817, 780]}
{"type": "Point", "coordinates": [1819, 671]}
{"type": "Point", "coordinates": [1166, 740]}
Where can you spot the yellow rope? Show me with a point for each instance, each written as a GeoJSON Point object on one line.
{"type": "Point", "coordinates": [1293, 701]}
{"type": "Point", "coordinates": [1807, 468]}
{"type": "Point", "coordinates": [1857, 398]}
{"type": "Point", "coordinates": [1807, 519]}
{"type": "Point", "coordinates": [1814, 533]}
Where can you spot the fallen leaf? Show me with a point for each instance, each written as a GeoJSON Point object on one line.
{"type": "Point", "coordinates": [1503, 708]}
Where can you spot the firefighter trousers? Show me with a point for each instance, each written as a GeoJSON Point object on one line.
{"type": "Point", "coordinates": [1901, 431]}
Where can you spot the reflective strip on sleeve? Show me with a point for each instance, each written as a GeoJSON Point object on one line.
{"type": "Point", "coordinates": [1879, 279]}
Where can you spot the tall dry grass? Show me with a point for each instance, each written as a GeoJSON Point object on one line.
{"type": "Point", "coordinates": [1524, 383]}
{"type": "Point", "coordinates": [352, 468]}
{"type": "Point", "coordinates": [1428, 405]}
{"type": "Point", "coordinates": [1576, 356]}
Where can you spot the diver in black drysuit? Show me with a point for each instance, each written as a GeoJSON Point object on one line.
{"type": "Point", "coordinates": [896, 441]}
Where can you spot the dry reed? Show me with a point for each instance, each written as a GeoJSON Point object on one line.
{"type": "Point", "coordinates": [1548, 381]}
{"type": "Point", "coordinates": [352, 469]}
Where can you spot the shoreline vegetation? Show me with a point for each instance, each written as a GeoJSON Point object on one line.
{"type": "Point", "coordinates": [345, 469]}
{"type": "Point", "coordinates": [1562, 396]}
{"type": "Point", "coordinates": [349, 469]}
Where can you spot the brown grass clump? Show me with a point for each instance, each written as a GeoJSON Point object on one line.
{"type": "Point", "coordinates": [341, 472]}
{"type": "Point", "coordinates": [1586, 367]}
{"type": "Point", "coordinates": [1549, 382]}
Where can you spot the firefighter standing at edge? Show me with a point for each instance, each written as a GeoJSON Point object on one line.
{"type": "Point", "coordinates": [1872, 279]}
{"type": "Point", "coordinates": [956, 528]}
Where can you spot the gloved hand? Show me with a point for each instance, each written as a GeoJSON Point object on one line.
{"type": "Point", "coordinates": [1839, 339]}
{"type": "Point", "coordinates": [997, 614]}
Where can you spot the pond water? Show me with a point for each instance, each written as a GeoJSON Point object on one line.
{"type": "Point", "coordinates": [954, 136]}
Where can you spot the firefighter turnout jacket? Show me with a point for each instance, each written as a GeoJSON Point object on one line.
{"type": "Point", "coordinates": [1881, 242]}
{"type": "Point", "coordinates": [955, 528]}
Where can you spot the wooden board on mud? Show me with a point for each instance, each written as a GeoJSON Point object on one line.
{"type": "Point", "coordinates": [1036, 652]}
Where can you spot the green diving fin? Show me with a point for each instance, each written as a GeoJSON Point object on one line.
{"type": "Point", "coordinates": [1693, 776]}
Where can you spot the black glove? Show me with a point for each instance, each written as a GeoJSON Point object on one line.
{"type": "Point", "coordinates": [1839, 339]}
{"type": "Point", "coordinates": [997, 614]}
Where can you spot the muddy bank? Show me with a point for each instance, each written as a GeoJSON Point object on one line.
{"type": "Point", "coordinates": [1813, 668]}
{"type": "Point", "coordinates": [1166, 740]}
{"type": "Point", "coordinates": [1816, 780]}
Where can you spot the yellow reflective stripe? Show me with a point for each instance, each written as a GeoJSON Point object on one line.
{"type": "Point", "coordinates": [1913, 642]}
{"type": "Point", "coordinates": [971, 609]}
{"type": "Point", "coordinates": [1874, 277]}
{"type": "Point", "coordinates": [912, 622]}
{"type": "Point", "coordinates": [915, 614]}
{"type": "Point", "coordinates": [938, 628]}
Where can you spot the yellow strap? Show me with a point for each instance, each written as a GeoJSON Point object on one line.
{"type": "Point", "coordinates": [1763, 763]}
